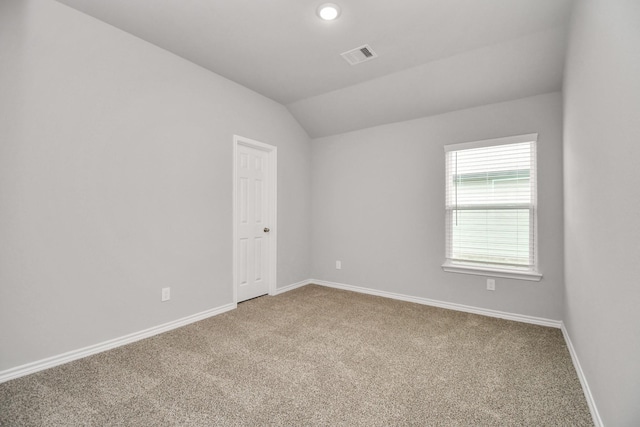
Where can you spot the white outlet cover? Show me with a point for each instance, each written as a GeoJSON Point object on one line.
{"type": "Point", "coordinates": [338, 265]}
{"type": "Point", "coordinates": [491, 284]}
{"type": "Point", "coordinates": [166, 294]}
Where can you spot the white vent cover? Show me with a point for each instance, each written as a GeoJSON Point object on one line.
{"type": "Point", "coordinates": [359, 55]}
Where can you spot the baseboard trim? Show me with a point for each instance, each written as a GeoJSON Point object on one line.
{"type": "Point", "coordinates": [292, 287]}
{"type": "Point", "coordinates": [60, 359]}
{"type": "Point", "coordinates": [597, 421]}
{"type": "Point", "coordinates": [442, 304]}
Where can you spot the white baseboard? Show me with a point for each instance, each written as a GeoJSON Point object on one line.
{"type": "Point", "coordinates": [60, 359]}
{"type": "Point", "coordinates": [597, 421]}
{"type": "Point", "coordinates": [292, 287]}
{"type": "Point", "coordinates": [448, 305]}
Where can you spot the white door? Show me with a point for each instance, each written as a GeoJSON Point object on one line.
{"type": "Point", "coordinates": [254, 200]}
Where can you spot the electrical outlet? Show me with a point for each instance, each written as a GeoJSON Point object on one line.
{"type": "Point", "coordinates": [338, 265]}
{"type": "Point", "coordinates": [491, 284]}
{"type": "Point", "coordinates": [166, 294]}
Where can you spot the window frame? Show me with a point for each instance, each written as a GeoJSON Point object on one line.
{"type": "Point", "coordinates": [531, 272]}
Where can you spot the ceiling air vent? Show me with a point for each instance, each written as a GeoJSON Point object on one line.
{"type": "Point", "coordinates": [359, 54]}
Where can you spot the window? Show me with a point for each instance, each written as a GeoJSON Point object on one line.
{"type": "Point", "coordinates": [491, 207]}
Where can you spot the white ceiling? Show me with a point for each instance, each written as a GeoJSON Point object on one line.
{"type": "Point", "coordinates": [434, 55]}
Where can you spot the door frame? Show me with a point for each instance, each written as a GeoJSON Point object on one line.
{"type": "Point", "coordinates": [272, 209]}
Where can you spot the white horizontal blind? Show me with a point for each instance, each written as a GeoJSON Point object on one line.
{"type": "Point", "coordinates": [491, 203]}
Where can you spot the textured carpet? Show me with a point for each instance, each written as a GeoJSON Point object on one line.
{"type": "Point", "coordinates": [315, 356]}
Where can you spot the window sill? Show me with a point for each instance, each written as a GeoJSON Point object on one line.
{"type": "Point", "coordinates": [492, 272]}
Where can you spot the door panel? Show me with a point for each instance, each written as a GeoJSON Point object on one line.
{"type": "Point", "coordinates": [252, 209]}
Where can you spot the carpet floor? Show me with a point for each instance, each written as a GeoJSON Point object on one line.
{"type": "Point", "coordinates": [315, 356]}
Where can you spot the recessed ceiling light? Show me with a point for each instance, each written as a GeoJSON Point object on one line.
{"type": "Point", "coordinates": [329, 11]}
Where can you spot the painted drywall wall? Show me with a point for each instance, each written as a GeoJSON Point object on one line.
{"type": "Point", "coordinates": [602, 203]}
{"type": "Point", "coordinates": [116, 181]}
{"type": "Point", "coordinates": [378, 206]}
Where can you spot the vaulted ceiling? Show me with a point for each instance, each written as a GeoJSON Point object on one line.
{"type": "Point", "coordinates": [434, 56]}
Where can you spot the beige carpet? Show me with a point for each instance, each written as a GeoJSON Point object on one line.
{"type": "Point", "coordinates": [315, 356]}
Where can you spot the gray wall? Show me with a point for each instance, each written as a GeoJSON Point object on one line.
{"type": "Point", "coordinates": [116, 180]}
{"type": "Point", "coordinates": [602, 203]}
{"type": "Point", "coordinates": [378, 206]}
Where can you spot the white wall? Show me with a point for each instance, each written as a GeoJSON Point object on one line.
{"type": "Point", "coordinates": [116, 180]}
{"type": "Point", "coordinates": [378, 206]}
{"type": "Point", "coordinates": [602, 203]}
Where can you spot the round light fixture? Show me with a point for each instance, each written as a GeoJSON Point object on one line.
{"type": "Point", "coordinates": [329, 11]}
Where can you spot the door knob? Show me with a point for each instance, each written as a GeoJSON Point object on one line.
{"type": "Point", "coordinates": [266, 229]}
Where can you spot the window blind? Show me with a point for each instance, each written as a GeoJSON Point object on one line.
{"type": "Point", "coordinates": [491, 203]}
